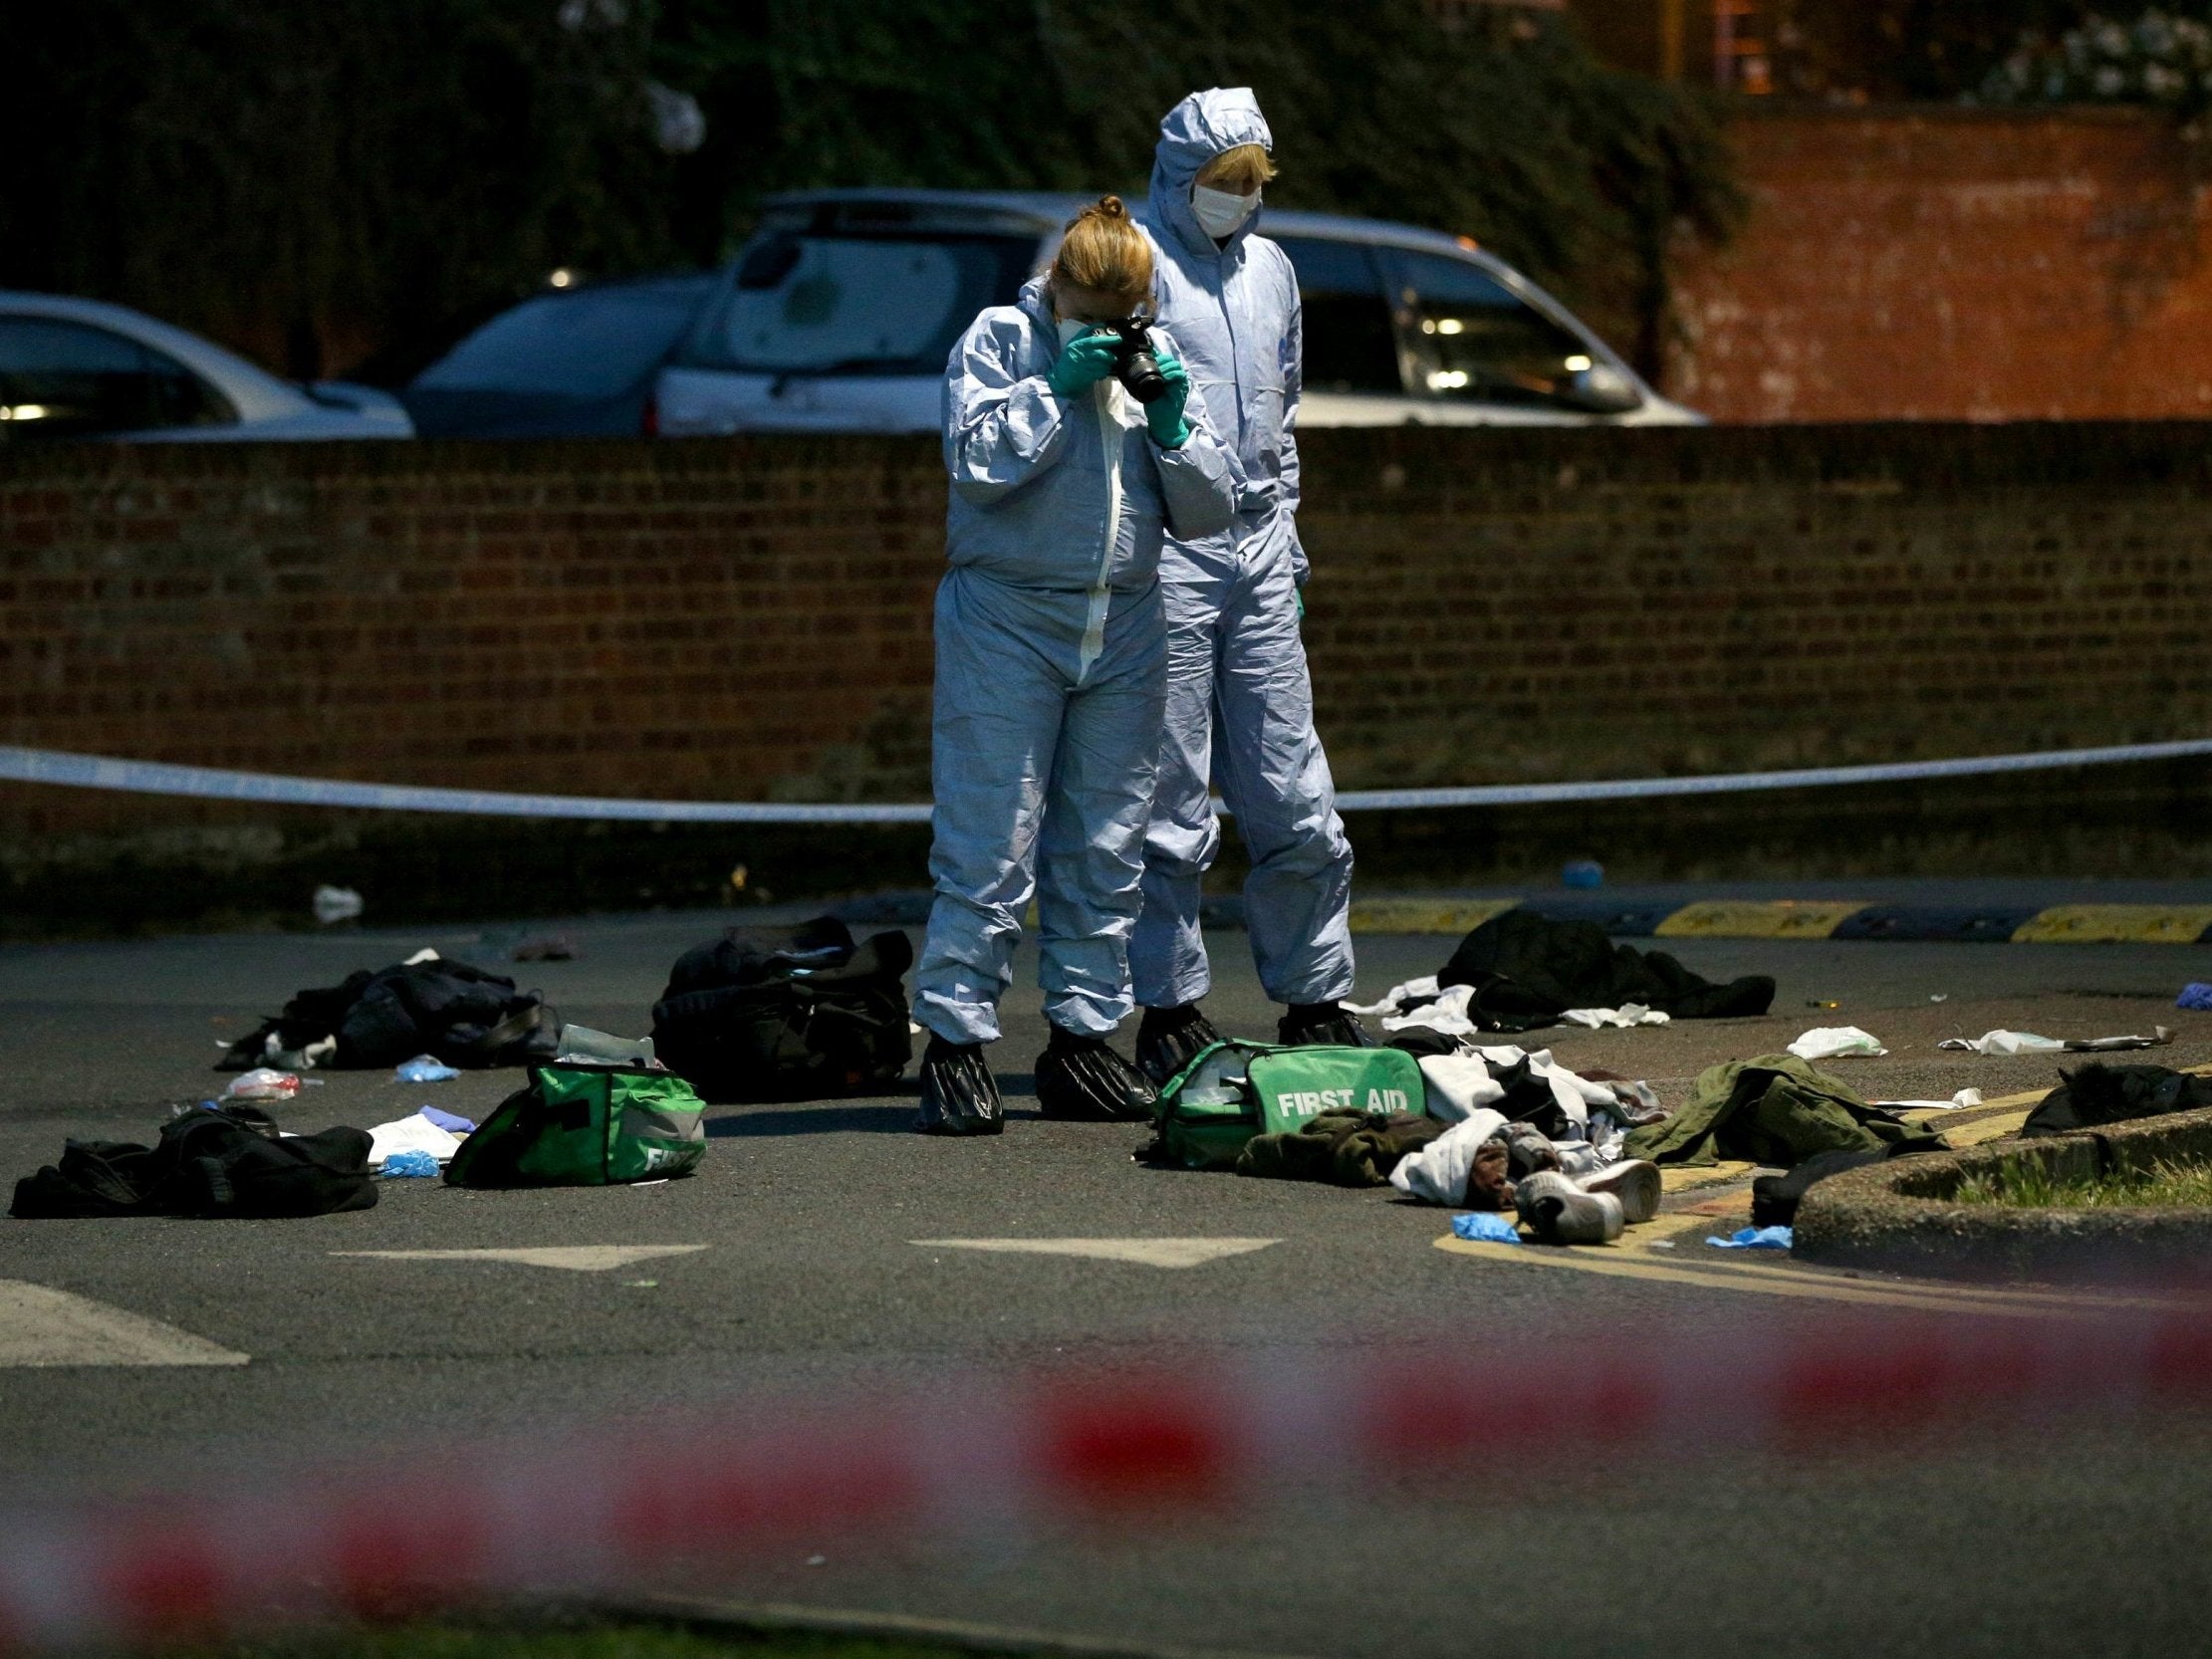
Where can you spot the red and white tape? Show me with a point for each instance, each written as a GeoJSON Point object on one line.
{"type": "Point", "coordinates": [573, 1511]}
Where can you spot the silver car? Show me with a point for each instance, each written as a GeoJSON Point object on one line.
{"type": "Point", "coordinates": [82, 368]}
{"type": "Point", "coordinates": [838, 314]}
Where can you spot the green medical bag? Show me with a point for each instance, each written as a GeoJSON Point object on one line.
{"type": "Point", "coordinates": [1234, 1091]}
{"type": "Point", "coordinates": [585, 1126]}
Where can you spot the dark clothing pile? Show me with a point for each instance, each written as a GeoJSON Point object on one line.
{"type": "Point", "coordinates": [2096, 1095]}
{"type": "Point", "coordinates": [1344, 1148]}
{"type": "Point", "coordinates": [206, 1162]}
{"type": "Point", "coordinates": [797, 1013]}
{"type": "Point", "coordinates": [1777, 1109]}
{"type": "Point", "coordinates": [1527, 969]}
{"type": "Point", "coordinates": [459, 1014]}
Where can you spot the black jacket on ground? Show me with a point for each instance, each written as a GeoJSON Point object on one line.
{"type": "Point", "coordinates": [458, 1013]}
{"type": "Point", "coordinates": [1527, 970]}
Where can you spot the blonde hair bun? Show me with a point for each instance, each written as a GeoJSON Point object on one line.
{"type": "Point", "coordinates": [1104, 251]}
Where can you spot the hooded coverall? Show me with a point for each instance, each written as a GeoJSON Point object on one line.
{"type": "Point", "coordinates": [1236, 667]}
{"type": "Point", "coordinates": [1051, 670]}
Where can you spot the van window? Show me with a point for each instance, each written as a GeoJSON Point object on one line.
{"type": "Point", "coordinates": [1469, 337]}
{"type": "Point", "coordinates": [814, 304]}
{"type": "Point", "coordinates": [1349, 344]}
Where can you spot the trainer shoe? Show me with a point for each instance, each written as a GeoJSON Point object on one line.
{"type": "Point", "coordinates": [1169, 1039]}
{"type": "Point", "coordinates": [1082, 1078]}
{"type": "Point", "coordinates": [1634, 1181]}
{"type": "Point", "coordinates": [1559, 1212]}
{"type": "Point", "coordinates": [959, 1096]}
{"type": "Point", "coordinates": [1321, 1025]}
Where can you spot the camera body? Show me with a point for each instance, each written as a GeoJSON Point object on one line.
{"type": "Point", "coordinates": [1135, 363]}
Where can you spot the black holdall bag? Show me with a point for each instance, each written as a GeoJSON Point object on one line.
{"type": "Point", "coordinates": [797, 1013]}
{"type": "Point", "coordinates": [227, 1162]}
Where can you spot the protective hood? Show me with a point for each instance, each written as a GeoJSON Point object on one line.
{"type": "Point", "coordinates": [1034, 301]}
{"type": "Point", "coordinates": [1193, 132]}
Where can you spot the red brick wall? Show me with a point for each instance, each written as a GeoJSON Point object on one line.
{"type": "Point", "coordinates": [750, 619]}
{"type": "Point", "coordinates": [1956, 265]}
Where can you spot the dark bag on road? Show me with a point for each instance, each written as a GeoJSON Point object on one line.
{"type": "Point", "coordinates": [2098, 1093]}
{"type": "Point", "coordinates": [206, 1163]}
{"type": "Point", "coordinates": [458, 1013]}
{"type": "Point", "coordinates": [787, 1014]}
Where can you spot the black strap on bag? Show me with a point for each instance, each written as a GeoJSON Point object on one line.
{"type": "Point", "coordinates": [798, 1013]}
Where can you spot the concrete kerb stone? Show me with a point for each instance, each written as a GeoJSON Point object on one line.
{"type": "Point", "coordinates": [1898, 1217]}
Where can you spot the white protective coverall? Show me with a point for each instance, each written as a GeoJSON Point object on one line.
{"type": "Point", "coordinates": [1236, 666]}
{"type": "Point", "coordinates": [1050, 657]}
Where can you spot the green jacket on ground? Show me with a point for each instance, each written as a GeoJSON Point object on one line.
{"type": "Point", "coordinates": [1776, 1109]}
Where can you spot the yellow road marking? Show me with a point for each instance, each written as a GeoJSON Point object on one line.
{"type": "Point", "coordinates": [1690, 1177]}
{"type": "Point", "coordinates": [2108, 924]}
{"type": "Point", "coordinates": [1774, 1281]}
{"type": "Point", "coordinates": [1745, 919]}
{"type": "Point", "coordinates": [1425, 915]}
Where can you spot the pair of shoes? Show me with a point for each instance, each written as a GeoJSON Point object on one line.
{"type": "Point", "coordinates": [1076, 1078]}
{"type": "Point", "coordinates": [1082, 1078]}
{"type": "Point", "coordinates": [1593, 1209]}
{"type": "Point", "coordinates": [1169, 1039]}
{"type": "Point", "coordinates": [1321, 1025]}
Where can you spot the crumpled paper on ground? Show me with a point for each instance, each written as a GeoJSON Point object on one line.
{"type": "Point", "coordinates": [1838, 1042]}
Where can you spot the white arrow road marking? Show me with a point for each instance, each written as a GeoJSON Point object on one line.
{"type": "Point", "coordinates": [43, 1327]}
{"type": "Point", "coordinates": [575, 1258]}
{"type": "Point", "coordinates": [1151, 1252]}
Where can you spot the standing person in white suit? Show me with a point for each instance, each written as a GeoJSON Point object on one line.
{"type": "Point", "coordinates": [1240, 706]}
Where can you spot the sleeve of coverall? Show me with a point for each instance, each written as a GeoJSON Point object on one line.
{"type": "Point", "coordinates": [1294, 383]}
{"type": "Point", "coordinates": [1194, 479]}
{"type": "Point", "coordinates": [1001, 429]}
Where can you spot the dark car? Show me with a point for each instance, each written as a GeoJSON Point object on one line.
{"type": "Point", "coordinates": [569, 362]}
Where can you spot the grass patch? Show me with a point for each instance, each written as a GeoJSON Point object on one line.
{"type": "Point", "coordinates": [556, 1639]}
{"type": "Point", "coordinates": [2165, 1186]}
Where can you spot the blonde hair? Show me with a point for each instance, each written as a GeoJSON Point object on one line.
{"type": "Point", "coordinates": [1240, 171]}
{"type": "Point", "coordinates": [1103, 250]}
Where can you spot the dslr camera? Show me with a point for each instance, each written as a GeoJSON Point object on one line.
{"type": "Point", "coordinates": [1135, 365]}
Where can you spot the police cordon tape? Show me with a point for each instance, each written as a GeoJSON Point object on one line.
{"type": "Point", "coordinates": [105, 772]}
{"type": "Point", "coordinates": [581, 1511]}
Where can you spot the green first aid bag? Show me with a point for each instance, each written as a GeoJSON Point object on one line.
{"type": "Point", "coordinates": [1234, 1091]}
{"type": "Point", "coordinates": [585, 1126]}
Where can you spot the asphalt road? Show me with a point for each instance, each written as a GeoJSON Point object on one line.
{"type": "Point", "coordinates": [1989, 1540]}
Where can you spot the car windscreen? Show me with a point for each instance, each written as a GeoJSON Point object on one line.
{"type": "Point", "coordinates": [816, 304]}
{"type": "Point", "coordinates": [1472, 338]}
{"type": "Point", "coordinates": [594, 343]}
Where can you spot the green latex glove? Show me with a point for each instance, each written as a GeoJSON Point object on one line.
{"type": "Point", "coordinates": [1163, 417]}
{"type": "Point", "coordinates": [1299, 594]}
{"type": "Point", "coordinates": [1083, 363]}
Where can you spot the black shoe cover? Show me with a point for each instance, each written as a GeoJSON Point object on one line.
{"type": "Point", "coordinates": [959, 1096]}
{"type": "Point", "coordinates": [1081, 1078]}
{"type": "Point", "coordinates": [1322, 1024]}
{"type": "Point", "coordinates": [1169, 1039]}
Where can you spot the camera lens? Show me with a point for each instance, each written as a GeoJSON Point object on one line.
{"type": "Point", "coordinates": [1136, 367]}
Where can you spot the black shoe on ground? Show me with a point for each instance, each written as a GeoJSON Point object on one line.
{"type": "Point", "coordinates": [1322, 1024]}
{"type": "Point", "coordinates": [1082, 1078]}
{"type": "Point", "coordinates": [959, 1096]}
{"type": "Point", "coordinates": [1169, 1039]}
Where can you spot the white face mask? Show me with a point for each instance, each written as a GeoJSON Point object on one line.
{"type": "Point", "coordinates": [1071, 331]}
{"type": "Point", "coordinates": [1218, 212]}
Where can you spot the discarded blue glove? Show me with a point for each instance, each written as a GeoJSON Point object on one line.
{"type": "Point", "coordinates": [448, 1122]}
{"type": "Point", "coordinates": [2195, 994]}
{"type": "Point", "coordinates": [423, 1068]}
{"type": "Point", "coordinates": [410, 1163]}
{"type": "Point", "coordinates": [1753, 1238]}
{"type": "Point", "coordinates": [1485, 1228]}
